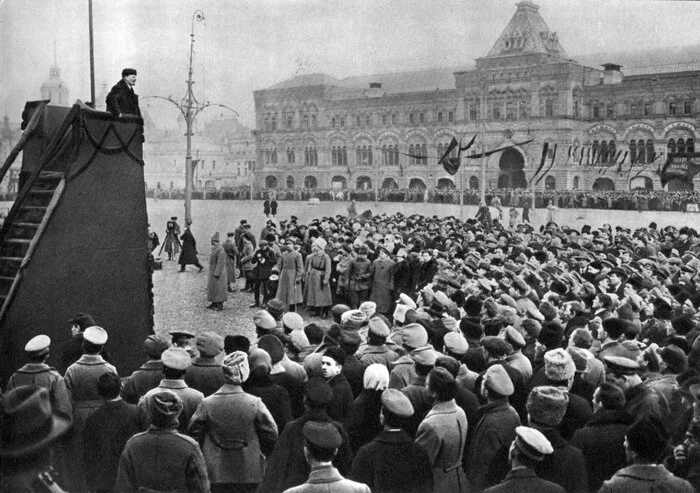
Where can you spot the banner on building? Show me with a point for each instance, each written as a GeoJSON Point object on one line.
{"type": "Point", "coordinates": [680, 166]}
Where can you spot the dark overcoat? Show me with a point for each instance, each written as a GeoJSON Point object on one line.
{"type": "Point", "coordinates": [382, 285]}
{"type": "Point", "coordinates": [392, 463]}
{"type": "Point", "coordinates": [363, 422]}
{"type": "Point", "coordinates": [566, 466]}
{"type": "Point", "coordinates": [524, 480]}
{"type": "Point", "coordinates": [122, 100]}
{"type": "Point", "coordinates": [274, 396]}
{"type": "Point", "coordinates": [189, 249]}
{"type": "Point", "coordinates": [205, 375]}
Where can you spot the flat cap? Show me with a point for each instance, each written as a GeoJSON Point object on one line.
{"type": "Point", "coordinates": [275, 306]}
{"type": "Point", "coordinates": [441, 298]}
{"type": "Point", "coordinates": [514, 338]}
{"type": "Point", "coordinates": [425, 356]}
{"type": "Point", "coordinates": [38, 344]}
{"type": "Point", "coordinates": [322, 434]}
{"type": "Point", "coordinates": [154, 345]}
{"type": "Point", "coordinates": [95, 335]}
{"type": "Point", "coordinates": [497, 380]}
{"type": "Point", "coordinates": [397, 403]}
{"type": "Point", "coordinates": [209, 344]}
{"type": "Point", "coordinates": [339, 309]}
{"type": "Point", "coordinates": [378, 327]}
{"type": "Point", "coordinates": [181, 334]}
{"type": "Point", "coordinates": [532, 443]}
{"type": "Point", "coordinates": [495, 346]}
{"type": "Point", "coordinates": [176, 358]}
{"type": "Point", "coordinates": [621, 366]}
{"type": "Point", "coordinates": [414, 335]}
{"type": "Point", "coordinates": [293, 321]}
{"type": "Point", "coordinates": [580, 357]}
{"type": "Point", "coordinates": [456, 343]}
{"type": "Point", "coordinates": [263, 320]}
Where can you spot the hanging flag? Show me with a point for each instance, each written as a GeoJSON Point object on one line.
{"type": "Point", "coordinates": [545, 148]}
{"type": "Point", "coordinates": [451, 164]}
{"type": "Point", "coordinates": [500, 149]}
{"type": "Point", "coordinates": [468, 146]}
{"type": "Point", "coordinates": [554, 154]}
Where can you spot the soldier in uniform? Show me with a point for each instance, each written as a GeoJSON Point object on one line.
{"type": "Point", "coordinates": [205, 374]}
{"type": "Point", "coordinates": [217, 284]}
{"type": "Point", "coordinates": [232, 257]}
{"type": "Point", "coordinates": [149, 374]}
{"type": "Point", "coordinates": [359, 277]}
{"type": "Point", "coordinates": [29, 428]}
{"type": "Point", "coordinates": [81, 380]}
{"type": "Point", "coordinates": [37, 372]}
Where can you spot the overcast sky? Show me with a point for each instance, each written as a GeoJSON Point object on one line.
{"type": "Point", "coordinates": [244, 45]}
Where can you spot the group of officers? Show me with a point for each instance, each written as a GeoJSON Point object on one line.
{"type": "Point", "coordinates": [558, 360]}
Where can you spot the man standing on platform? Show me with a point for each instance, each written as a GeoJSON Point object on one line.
{"type": "Point", "coordinates": [122, 100]}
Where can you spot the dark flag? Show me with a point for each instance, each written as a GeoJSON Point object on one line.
{"type": "Point", "coordinates": [545, 148]}
{"type": "Point", "coordinates": [554, 154]}
{"type": "Point", "coordinates": [451, 164]}
{"type": "Point", "coordinates": [684, 166]}
{"type": "Point", "coordinates": [494, 151]}
{"type": "Point", "coordinates": [468, 146]}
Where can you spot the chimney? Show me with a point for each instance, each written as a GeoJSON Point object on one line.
{"type": "Point", "coordinates": [612, 73]}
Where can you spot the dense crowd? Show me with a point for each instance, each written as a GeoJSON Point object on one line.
{"type": "Point", "coordinates": [641, 200]}
{"type": "Point", "coordinates": [454, 356]}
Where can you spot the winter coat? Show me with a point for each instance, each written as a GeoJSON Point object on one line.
{"type": "Point", "coordinates": [263, 261]}
{"type": "Point", "coordinates": [217, 284]}
{"type": "Point", "coordinates": [602, 443]}
{"type": "Point", "coordinates": [393, 463]}
{"type": "Point", "coordinates": [232, 254]}
{"type": "Point", "coordinates": [382, 273]}
{"type": "Point", "coordinates": [291, 267]}
{"type": "Point", "coordinates": [496, 428]}
{"type": "Point", "coordinates": [566, 466]}
{"type": "Point", "coordinates": [317, 274]}
{"type": "Point", "coordinates": [324, 479]}
{"type": "Point", "coordinates": [524, 480]}
{"type": "Point", "coordinates": [442, 434]}
{"type": "Point", "coordinates": [247, 251]}
{"type": "Point", "coordinates": [190, 399]}
{"type": "Point", "coordinates": [171, 244]}
{"type": "Point", "coordinates": [639, 478]}
{"type": "Point", "coordinates": [362, 422]}
{"type": "Point", "coordinates": [287, 467]}
{"type": "Point", "coordinates": [147, 377]}
{"type": "Point", "coordinates": [342, 398]}
{"type": "Point", "coordinates": [205, 375]}
{"type": "Point", "coordinates": [275, 397]}
{"type": "Point", "coordinates": [189, 249]}
{"type": "Point", "coordinates": [236, 432]}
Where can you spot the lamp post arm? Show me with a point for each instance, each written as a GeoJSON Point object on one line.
{"type": "Point", "coordinates": [170, 100]}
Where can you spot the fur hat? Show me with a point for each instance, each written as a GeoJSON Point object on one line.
{"type": "Point", "coordinates": [558, 365]}
{"type": "Point", "coordinates": [547, 405]}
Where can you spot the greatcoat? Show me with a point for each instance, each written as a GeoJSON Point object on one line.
{"type": "Point", "coordinates": [217, 285]}
{"type": "Point", "coordinates": [317, 272]}
{"type": "Point", "coordinates": [291, 267]}
{"type": "Point", "coordinates": [382, 293]}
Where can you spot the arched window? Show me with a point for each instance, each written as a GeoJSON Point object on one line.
{"type": "Point", "coordinates": [270, 181]}
{"type": "Point", "coordinates": [671, 146]}
{"type": "Point", "coordinates": [310, 182]}
{"type": "Point", "coordinates": [290, 155]}
{"type": "Point", "coordinates": [641, 152]}
{"type": "Point", "coordinates": [680, 145]}
{"type": "Point", "coordinates": [290, 181]}
{"type": "Point", "coordinates": [333, 122]}
{"type": "Point", "coordinates": [577, 182]}
{"type": "Point", "coordinates": [474, 183]}
{"type": "Point", "coordinates": [550, 183]}
{"type": "Point", "coordinates": [611, 151]}
{"type": "Point", "coordinates": [334, 156]}
{"type": "Point", "coordinates": [411, 158]}
{"type": "Point", "coordinates": [604, 151]}
{"type": "Point", "coordinates": [690, 145]}
{"type": "Point", "coordinates": [273, 123]}
{"type": "Point", "coordinates": [633, 151]}
{"type": "Point", "coordinates": [595, 151]}
{"type": "Point", "coordinates": [651, 154]}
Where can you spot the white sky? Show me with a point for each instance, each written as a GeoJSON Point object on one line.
{"type": "Point", "coordinates": [244, 45]}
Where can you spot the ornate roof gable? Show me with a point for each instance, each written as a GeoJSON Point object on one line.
{"type": "Point", "coordinates": [527, 33]}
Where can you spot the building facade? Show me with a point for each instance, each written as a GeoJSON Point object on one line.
{"type": "Point", "coordinates": [592, 123]}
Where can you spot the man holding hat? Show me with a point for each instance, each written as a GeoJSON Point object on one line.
{"type": "Point", "coordinates": [148, 376]}
{"type": "Point", "coordinates": [176, 361]}
{"type": "Point", "coordinates": [217, 284]}
{"type": "Point", "coordinates": [205, 373]}
{"type": "Point", "coordinates": [122, 100]}
{"type": "Point", "coordinates": [321, 443]}
{"type": "Point", "coordinates": [526, 452]}
{"type": "Point", "coordinates": [81, 380]}
{"type": "Point", "coordinates": [37, 372]}
{"type": "Point", "coordinates": [161, 458]}
{"type": "Point", "coordinates": [392, 461]}
{"type": "Point", "coordinates": [29, 429]}
{"type": "Point", "coordinates": [235, 430]}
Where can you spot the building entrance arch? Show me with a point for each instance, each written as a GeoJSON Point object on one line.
{"type": "Point", "coordinates": [511, 173]}
{"type": "Point", "coordinates": [270, 181]}
{"type": "Point", "coordinates": [390, 184]}
{"type": "Point", "coordinates": [416, 184]}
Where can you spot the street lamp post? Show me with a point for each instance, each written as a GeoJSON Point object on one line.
{"type": "Point", "coordinates": [190, 107]}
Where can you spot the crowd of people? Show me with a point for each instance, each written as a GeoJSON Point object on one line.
{"type": "Point", "coordinates": [641, 200]}
{"type": "Point", "coordinates": [455, 356]}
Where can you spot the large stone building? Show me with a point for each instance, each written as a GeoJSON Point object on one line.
{"type": "Point", "coordinates": [605, 126]}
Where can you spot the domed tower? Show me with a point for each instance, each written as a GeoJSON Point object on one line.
{"type": "Point", "coordinates": [54, 89]}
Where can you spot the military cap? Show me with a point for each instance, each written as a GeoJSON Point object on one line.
{"type": "Point", "coordinates": [407, 300]}
{"type": "Point", "coordinates": [532, 443]}
{"type": "Point", "coordinates": [414, 335]}
{"type": "Point", "coordinates": [425, 356]}
{"type": "Point", "coordinates": [558, 365]}
{"type": "Point", "coordinates": [38, 344]}
{"type": "Point", "coordinates": [95, 335]}
{"type": "Point", "coordinates": [442, 299]}
{"type": "Point", "coordinates": [450, 323]}
{"type": "Point", "coordinates": [176, 358]}
{"type": "Point", "coordinates": [322, 434]}
{"type": "Point", "coordinates": [621, 366]}
{"type": "Point", "coordinates": [263, 320]}
{"type": "Point", "coordinates": [497, 380]}
{"type": "Point", "coordinates": [456, 343]}
{"type": "Point", "coordinates": [495, 346]}
{"type": "Point", "coordinates": [514, 338]}
{"type": "Point", "coordinates": [378, 327]}
{"type": "Point", "coordinates": [293, 321]}
{"type": "Point", "coordinates": [209, 344]}
{"type": "Point", "coordinates": [508, 300]}
{"type": "Point", "coordinates": [178, 335]}
{"type": "Point", "coordinates": [397, 403]}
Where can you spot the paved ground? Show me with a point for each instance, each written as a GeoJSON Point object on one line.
{"type": "Point", "coordinates": [180, 298]}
